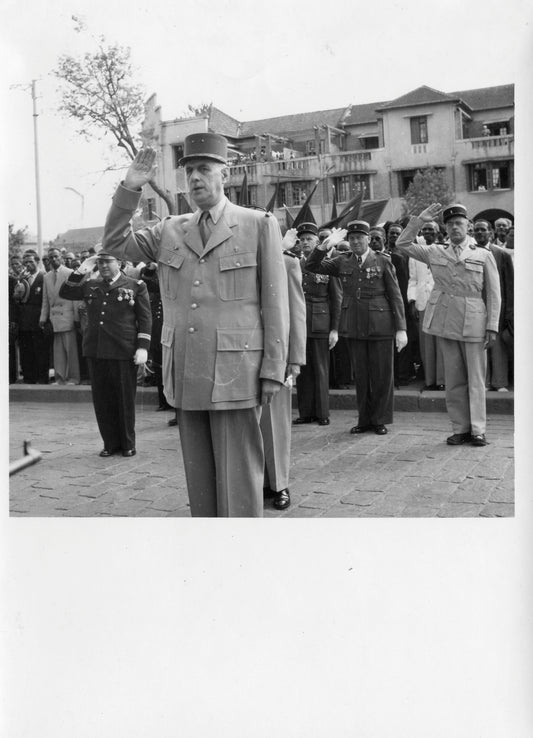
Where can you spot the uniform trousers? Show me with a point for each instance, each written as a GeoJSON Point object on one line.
{"type": "Point", "coordinates": [224, 461]}
{"type": "Point", "coordinates": [276, 431]}
{"type": "Point", "coordinates": [114, 385]}
{"type": "Point", "coordinates": [66, 364]}
{"type": "Point", "coordinates": [465, 366]}
{"type": "Point", "coordinates": [312, 384]}
{"type": "Point", "coordinates": [498, 364]}
{"type": "Point", "coordinates": [34, 349]}
{"type": "Point", "coordinates": [431, 354]}
{"type": "Point", "coordinates": [374, 379]}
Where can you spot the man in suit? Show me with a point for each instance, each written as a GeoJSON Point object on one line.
{"type": "Point", "coordinates": [463, 310]}
{"type": "Point", "coordinates": [373, 320]}
{"type": "Point", "coordinates": [500, 353]}
{"type": "Point", "coordinates": [276, 417]}
{"type": "Point", "coordinates": [115, 342]}
{"type": "Point", "coordinates": [323, 296]}
{"type": "Point", "coordinates": [63, 314]}
{"type": "Point", "coordinates": [34, 344]}
{"type": "Point", "coordinates": [226, 322]}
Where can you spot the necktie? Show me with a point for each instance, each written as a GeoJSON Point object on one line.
{"type": "Point", "coordinates": [359, 260]}
{"type": "Point", "coordinates": [55, 276]}
{"type": "Point", "coordinates": [205, 226]}
{"type": "Point", "coordinates": [458, 251]}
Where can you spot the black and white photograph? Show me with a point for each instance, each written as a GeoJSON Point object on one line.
{"type": "Point", "coordinates": [261, 265]}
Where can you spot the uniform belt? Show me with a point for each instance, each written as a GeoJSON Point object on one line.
{"type": "Point", "coordinates": [462, 294]}
{"type": "Point", "coordinates": [361, 296]}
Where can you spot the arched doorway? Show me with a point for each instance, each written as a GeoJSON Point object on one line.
{"type": "Point", "coordinates": [493, 214]}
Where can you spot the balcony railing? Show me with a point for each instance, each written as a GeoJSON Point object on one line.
{"type": "Point", "coordinates": [490, 141]}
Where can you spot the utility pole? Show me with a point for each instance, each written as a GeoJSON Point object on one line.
{"type": "Point", "coordinates": [37, 182]}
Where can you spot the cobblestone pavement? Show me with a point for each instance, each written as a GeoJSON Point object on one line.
{"type": "Point", "coordinates": [410, 472]}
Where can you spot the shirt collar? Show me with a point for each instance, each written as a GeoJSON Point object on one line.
{"type": "Point", "coordinates": [216, 211]}
{"type": "Point", "coordinates": [364, 256]}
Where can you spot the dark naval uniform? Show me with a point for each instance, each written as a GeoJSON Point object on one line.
{"type": "Point", "coordinates": [119, 322]}
{"type": "Point", "coordinates": [372, 312]}
{"type": "Point", "coordinates": [323, 297]}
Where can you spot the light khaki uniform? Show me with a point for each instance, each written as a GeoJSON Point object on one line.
{"type": "Point", "coordinates": [226, 326]}
{"type": "Point", "coordinates": [463, 305]}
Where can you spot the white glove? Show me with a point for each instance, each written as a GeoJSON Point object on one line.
{"type": "Point", "coordinates": [337, 235]}
{"type": "Point", "coordinates": [141, 356]}
{"type": "Point", "coordinates": [87, 266]}
{"type": "Point", "coordinates": [289, 239]}
{"type": "Point", "coordinates": [401, 340]}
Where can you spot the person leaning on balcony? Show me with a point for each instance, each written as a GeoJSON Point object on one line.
{"type": "Point", "coordinates": [323, 297]}
{"type": "Point", "coordinates": [373, 319]}
{"type": "Point", "coordinates": [463, 310]}
{"type": "Point", "coordinates": [225, 322]}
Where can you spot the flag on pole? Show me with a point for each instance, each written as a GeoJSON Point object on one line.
{"type": "Point", "coordinates": [371, 211]}
{"type": "Point", "coordinates": [348, 213]}
{"type": "Point", "coordinates": [305, 214]}
{"type": "Point", "coordinates": [243, 194]}
{"type": "Point", "coordinates": [272, 202]}
{"type": "Point", "coordinates": [288, 217]}
{"type": "Point", "coordinates": [334, 205]}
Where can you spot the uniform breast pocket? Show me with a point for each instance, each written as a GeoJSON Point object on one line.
{"type": "Point", "coordinates": [474, 273]}
{"type": "Point", "coordinates": [320, 317]}
{"type": "Point", "coordinates": [168, 267]}
{"type": "Point", "coordinates": [238, 276]}
{"type": "Point", "coordinates": [380, 321]}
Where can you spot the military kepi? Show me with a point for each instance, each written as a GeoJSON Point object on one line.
{"type": "Point", "coordinates": [308, 228]}
{"type": "Point", "coordinates": [104, 255]}
{"type": "Point", "coordinates": [454, 211]}
{"type": "Point", "coordinates": [205, 146]}
{"type": "Point", "coordinates": [358, 226]}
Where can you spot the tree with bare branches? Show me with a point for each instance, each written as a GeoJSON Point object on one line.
{"type": "Point", "coordinates": [98, 91]}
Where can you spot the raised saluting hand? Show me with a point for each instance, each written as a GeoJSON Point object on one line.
{"type": "Point", "coordinates": [141, 170]}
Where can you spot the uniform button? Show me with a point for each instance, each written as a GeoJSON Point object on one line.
{"type": "Point", "coordinates": [202, 261]}
{"type": "Point", "coordinates": [191, 330]}
{"type": "Point", "coordinates": [245, 345]}
{"type": "Point", "coordinates": [101, 322]}
{"type": "Point", "coordinates": [196, 282]}
{"type": "Point", "coordinates": [237, 263]}
{"type": "Point", "coordinates": [102, 313]}
{"type": "Point", "coordinates": [104, 303]}
{"type": "Point", "coordinates": [194, 306]}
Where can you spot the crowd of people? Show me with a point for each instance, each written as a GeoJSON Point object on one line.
{"type": "Point", "coordinates": [227, 315]}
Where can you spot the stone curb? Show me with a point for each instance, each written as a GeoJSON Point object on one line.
{"type": "Point", "coordinates": [405, 399]}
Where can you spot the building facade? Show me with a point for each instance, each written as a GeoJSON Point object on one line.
{"type": "Point", "coordinates": [376, 148]}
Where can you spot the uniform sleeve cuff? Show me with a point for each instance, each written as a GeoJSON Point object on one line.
{"type": "Point", "coordinates": [273, 369]}
{"type": "Point", "coordinates": [126, 199]}
{"type": "Point", "coordinates": [143, 341]}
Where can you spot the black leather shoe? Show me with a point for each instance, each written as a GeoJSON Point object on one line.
{"type": "Point", "coordinates": [301, 421]}
{"type": "Point", "coordinates": [129, 452]}
{"type": "Point", "coordinates": [360, 429]}
{"type": "Point", "coordinates": [458, 439]}
{"type": "Point", "coordinates": [172, 422]}
{"type": "Point", "coordinates": [282, 499]}
{"type": "Point", "coordinates": [441, 387]}
{"type": "Point", "coordinates": [106, 452]}
{"type": "Point", "coordinates": [380, 430]}
{"type": "Point", "coordinates": [323, 421]}
{"type": "Point", "coordinates": [479, 440]}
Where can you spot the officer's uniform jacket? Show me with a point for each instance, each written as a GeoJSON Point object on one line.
{"type": "Point", "coordinates": [323, 298]}
{"type": "Point", "coordinates": [225, 305]}
{"type": "Point", "coordinates": [505, 265]}
{"type": "Point", "coordinates": [372, 305]}
{"type": "Point", "coordinates": [465, 300]}
{"type": "Point", "coordinates": [115, 328]}
{"type": "Point", "coordinates": [62, 312]}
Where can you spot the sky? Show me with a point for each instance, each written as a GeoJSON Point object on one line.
{"type": "Point", "coordinates": [250, 59]}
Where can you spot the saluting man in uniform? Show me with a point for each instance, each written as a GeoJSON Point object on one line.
{"type": "Point", "coordinates": [323, 297]}
{"type": "Point", "coordinates": [116, 340]}
{"type": "Point", "coordinates": [372, 319]}
{"type": "Point", "coordinates": [226, 322]}
{"type": "Point", "coordinates": [463, 310]}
